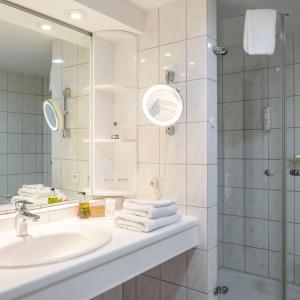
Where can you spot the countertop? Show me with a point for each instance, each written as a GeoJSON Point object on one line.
{"type": "Point", "coordinates": [17, 282]}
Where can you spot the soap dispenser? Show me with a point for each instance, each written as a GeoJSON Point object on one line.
{"type": "Point", "coordinates": [53, 197]}
{"type": "Point", "coordinates": [84, 207]}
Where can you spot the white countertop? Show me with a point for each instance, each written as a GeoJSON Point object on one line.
{"type": "Point", "coordinates": [17, 282]}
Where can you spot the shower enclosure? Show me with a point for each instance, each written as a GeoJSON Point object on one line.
{"type": "Point", "coordinates": [259, 159]}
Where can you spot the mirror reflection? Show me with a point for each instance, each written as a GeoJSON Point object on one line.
{"type": "Point", "coordinates": [38, 162]}
{"type": "Point", "coordinates": [162, 105]}
{"type": "Point", "coordinates": [51, 115]}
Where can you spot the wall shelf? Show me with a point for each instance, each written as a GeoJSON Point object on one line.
{"type": "Point", "coordinates": [113, 141]}
{"type": "Point", "coordinates": [112, 193]}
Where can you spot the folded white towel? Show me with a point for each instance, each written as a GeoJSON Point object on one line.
{"type": "Point", "coordinates": [31, 192]}
{"type": "Point", "coordinates": [41, 200]}
{"type": "Point", "coordinates": [149, 211]}
{"type": "Point", "coordinates": [260, 31]}
{"type": "Point", "coordinates": [153, 203]}
{"type": "Point", "coordinates": [137, 223]}
{"type": "Point", "coordinates": [33, 186]}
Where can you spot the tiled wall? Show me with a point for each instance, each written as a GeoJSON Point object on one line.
{"type": "Point", "coordinates": [250, 202]}
{"type": "Point", "coordinates": [179, 37]}
{"type": "Point", "coordinates": [24, 139]}
{"type": "Point", "coordinates": [70, 156]}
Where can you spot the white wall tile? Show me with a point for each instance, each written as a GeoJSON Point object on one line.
{"type": "Point", "coordinates": [148, 144]}
{"type": "Point", "coordinates": [146, 172]}
{"type": "Point", "coordinates": [13, 102]}
{"type": "Point", "coordinates": [197, 143]}
{"type": "Point", "coordinates": [173, 148]}
{"type": "Point", "coordinates": [233, 201]}
{"type": "Point", "coordinates": [197, 270]}
{"type": "Point", "coordinates": [201, 18]}
{"type": "Point", "coordinates": [256, 233]}
{"type": "Point", "coordinates": [234, 229]}
{"type": "Point", "coordinates": [147, 288]}
{"type": "Point", "coordinates": [149, 38]}
{"type": "Point", "coordinates": [234, 257]}
{"type": "Point", "coordinates": [256, 261]}
{"type": "Point", "coordinates": [172, 27]}
{"type": "Point", "coordinates": [148, 67]}
{"type": "Point", "coordinates": [14, 81]}
{"type": "Point", "coordinates": [174, 270]}
{"type": "Point", "coordinates": [197, 58]}
{"type": "Point", "coordinates": [256, 203]}
{"type": "Point", "coordinates": [175, 176]}
{"type": "Point", "coordinates": [171, 59]}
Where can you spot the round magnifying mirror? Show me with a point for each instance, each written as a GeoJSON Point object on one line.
{"type": "Point", "coordinates": [51, 115]}
{"type": "Point", "coordinates": [162, 105]}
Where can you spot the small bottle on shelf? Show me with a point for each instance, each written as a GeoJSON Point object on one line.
{"type": "Point", "coordinates": [115, 131]}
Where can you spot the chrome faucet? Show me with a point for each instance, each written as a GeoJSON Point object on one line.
{"type": "Point", "coordinates": [22, 215]}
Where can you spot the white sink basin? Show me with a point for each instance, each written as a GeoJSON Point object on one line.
{"type": "Point", "coordinates": [51, 243]}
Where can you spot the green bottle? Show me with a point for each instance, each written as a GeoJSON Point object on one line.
{"type": "Point", "coordinates": [84, 207]}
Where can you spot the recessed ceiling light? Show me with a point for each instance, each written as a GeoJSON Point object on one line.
{"type": "Point", "coordinates": [75, 14]}
{"type": "Point", "coordinates": [168, 54]}
{"type": "Point", "coordinates": [45, 26]}
{"type": "Point", "coordinates": [57, 61]}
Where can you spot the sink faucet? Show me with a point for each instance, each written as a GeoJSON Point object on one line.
{"type": "Point", "coordinates": [22, 216]}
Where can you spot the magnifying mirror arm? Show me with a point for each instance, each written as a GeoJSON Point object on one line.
{"type": "Point", "coordinates": [66, 133]}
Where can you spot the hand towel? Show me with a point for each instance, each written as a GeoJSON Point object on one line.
{"type": "Point", "coordinates": [31, 192]}
{"type": "Point", "coordinates": [33, 186]}
{"type": "Point", "coordinates": [154, 203]}
{"type": "Point", "coordinates": [260, 31]}
{"type": "Point", "coordinates": [149, 211]}
{"type": "Point", "coordinates": [43, 200]}
{"type": "Point", "coordinates": [137, 223]}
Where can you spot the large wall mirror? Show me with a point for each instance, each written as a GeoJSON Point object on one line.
{"type": "Point", "coordinates": [42, 62]}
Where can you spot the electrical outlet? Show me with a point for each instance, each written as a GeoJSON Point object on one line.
{"type": "Point", "coordinates": [76, 177]}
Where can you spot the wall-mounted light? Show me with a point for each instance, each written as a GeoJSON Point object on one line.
{"type": "Point", "coordinates": [75, 14]}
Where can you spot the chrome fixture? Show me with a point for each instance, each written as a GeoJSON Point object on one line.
{"type": "Point", "coordinates": [66, 132]}
{"type": "Point", "coordinates": [219, 50]}
{"type": "Point", "coordinates": [22, 215]}
{"type": "Point", "coordinates": [269, 172]}
{"type": "Point", "coordinates": [221, 290]}
{"type": "Point", "coordinates": [170, 76]}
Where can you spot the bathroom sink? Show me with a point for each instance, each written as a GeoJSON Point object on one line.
{"type": "Point", "coordinates": [51, 243]}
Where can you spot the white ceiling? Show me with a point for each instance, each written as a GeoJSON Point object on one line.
{"type": "Point", "coordinates": [24, 50]}
{"type": "Point", "coordinates": [230, 8]}
{"type": "Point", "coordinates": [148, 4]}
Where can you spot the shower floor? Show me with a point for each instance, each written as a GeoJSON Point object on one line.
{"type": "Point", "coordinates": [243, 286]}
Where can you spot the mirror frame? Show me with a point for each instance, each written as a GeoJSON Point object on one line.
{"type": "Point", "coordinates": [56, 114]}
{"type": "Point", "coordinates": [176, 94]}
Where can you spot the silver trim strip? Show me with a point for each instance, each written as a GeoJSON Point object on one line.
{"type": "Point", "coordinates": [35, 13]}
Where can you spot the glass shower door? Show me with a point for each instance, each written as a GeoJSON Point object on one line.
{"type": "Point", "coordinates": [292, 148]}
{"type": "Point", "coordinates": [250, 151]}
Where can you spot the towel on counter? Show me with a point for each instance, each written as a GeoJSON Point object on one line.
{"type": "Point", "coordinates": [33, 186]}
{"type": "Point", "coordinates": [149, 209]}
{"type": "Point", "coordinates": [137, 223]}
{"type": "Point", "coordinates": [260, 31]}
{"type": "Point", "coordinates": [16, 198]}
{"type": "Point", "coordinates": [45, 191]}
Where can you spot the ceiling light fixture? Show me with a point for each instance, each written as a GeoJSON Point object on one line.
{"type": "Point", "coordinates": [45, 26]}
{"type": "Point", "coordinates": [75, 14]}
{"type": "Point", "coordinates": [57, 61]}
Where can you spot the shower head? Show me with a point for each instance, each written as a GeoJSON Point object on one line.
{"type": "Point", "coordinates": [219, 50]}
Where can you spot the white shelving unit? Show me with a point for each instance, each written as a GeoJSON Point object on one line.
{"type": "Point", "coordinates": [114, 100]}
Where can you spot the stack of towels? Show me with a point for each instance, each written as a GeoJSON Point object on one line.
{"type": "Point", "coordinates": [146, 215]}
{"type": "Point", "coordinates": [36, 193]}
